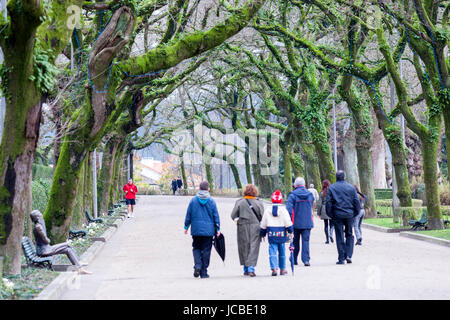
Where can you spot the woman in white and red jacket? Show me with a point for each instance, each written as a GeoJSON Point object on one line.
{"type": "Point", "coordinates": [277, 224]}
{"type": "Point", "coordinates": [130, 197]}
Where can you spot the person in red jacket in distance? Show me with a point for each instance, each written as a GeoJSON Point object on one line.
{"type": "Point", "coordinates": [130, 197]}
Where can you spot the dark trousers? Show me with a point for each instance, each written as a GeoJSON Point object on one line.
{"type": "Point", "coordinates": [328, 233]}
{"type": "Point", "coordinates": [304, 234]}
{"type": "Point", "coordinates": [61, 248]}
{"type": "Point", "coordinates": [202, 252]}
{"type": "Point", "coordinates": [343, 227]}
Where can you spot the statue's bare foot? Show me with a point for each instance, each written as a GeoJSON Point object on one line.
{"type": "Point", "coordinates": [83, 271]}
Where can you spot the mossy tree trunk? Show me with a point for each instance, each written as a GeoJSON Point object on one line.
{"type": "Point", "coordinates": [236, 177]}
{"type": "Point", "coordinates": [429, 135]}
{"type": "Point", "coordinates": [392, 134]}
{"type": "Point", "coordinates": [209, 176]}
{"type": "Point", "coordinates": [183, 172]}
{"type": "Point", "coordinates": [23, 111]}
{"type": "Point", "coordinates": [362, 120]}
{"type": "Point", "coordinates": [106, 176]}
{"type": "Point", "coordinates": [311, 165]}
{"type": "Point", "coordinates": [287, 162]}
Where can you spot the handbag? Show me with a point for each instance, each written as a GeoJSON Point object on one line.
{"type": "Point", "coordinates": [253, 209]}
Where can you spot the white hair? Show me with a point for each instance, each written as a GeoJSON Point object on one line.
{"type": "Point", "coordinates": [299, 181]}
{"type": "Point", "coordinates": [311, 185]}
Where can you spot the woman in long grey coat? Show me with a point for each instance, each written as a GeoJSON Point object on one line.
{"type": "Point", "coordinates": [322, 212]}
{"type": "Point", "coordinates": [248, 211]}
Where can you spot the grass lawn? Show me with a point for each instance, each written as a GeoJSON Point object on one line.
{"type": "Point", "coordinates": [385, 222]}
{"type": "Point", "coordinates": [443, 234]}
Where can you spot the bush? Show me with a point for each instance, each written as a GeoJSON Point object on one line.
{"type": "Point", "coordinates": [42, 172]}
{"type": "Point", "coordinates": [40, 193]}
{"type": "Point", "coordinates": [146, 189]}
{"type": "Point", "coordinates": [444, 193]}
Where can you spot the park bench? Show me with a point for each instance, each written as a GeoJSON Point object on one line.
{"type": "Point", "coordinates": [422, 223]}
{"type": "Point", "coordinates": [73, 234]}
{"type": "Point", "coordinates": [91, 219]}
{"type": "Point", "coordinates": [32, 258]}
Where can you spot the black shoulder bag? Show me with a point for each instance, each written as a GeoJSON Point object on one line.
{"type": "Point", "coordinates": [254, 211]}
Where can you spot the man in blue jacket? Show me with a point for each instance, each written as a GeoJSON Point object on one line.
{"type": "Point", "coordinates": [342, 206]}
{"type": "Point", "coordinates": [300, 205]}
{"type": "Point", "coordinates": [203, 218]}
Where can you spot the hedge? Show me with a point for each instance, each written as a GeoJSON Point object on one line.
{"type": "Point", "coordinates": [388, 203]}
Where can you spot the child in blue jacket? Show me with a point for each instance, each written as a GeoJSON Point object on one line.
{"type": "Point", "coordinates": [277, 225]}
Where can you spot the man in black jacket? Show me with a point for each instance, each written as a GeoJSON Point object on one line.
{"type": "Point", "coordinates": [179, 185]}
{"type": "Point", "coordinates": [342, 206]}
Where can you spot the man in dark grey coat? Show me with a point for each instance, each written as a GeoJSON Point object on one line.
{"type": "Point", "coordinates": [342, 206]}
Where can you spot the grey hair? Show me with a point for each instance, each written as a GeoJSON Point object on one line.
{"type": "Point", "coordinates": [311, 185]}
{"type": "Point", "coordinates": [34, 215]}
{"type": "Point", "coordinates": [299, 181]}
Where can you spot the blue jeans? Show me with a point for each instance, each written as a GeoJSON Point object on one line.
{"type": "Point", "coordinates": [357, 224]}
{"type": "Point", "coordinates": [249, 269]}
{"type": "Point", "coordinates": [304, 233]}
{"type": "Point", "coordinates": [277, 256]}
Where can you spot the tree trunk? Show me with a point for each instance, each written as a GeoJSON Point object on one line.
{"type": "Point", "coordinates": [106, 176]}
{"type": "Point", "coordinates": [325, 160]}
{"type": "Point", "coordinates": [311, 165]}
{"type": "Point", "coordinates": [429, 150]}
{"type": "Point", "coordinates": [19, 141]}
{"type": "Point", "coordinates": [248, 170]}
{"type": "Point", "coordinates": [378, 159]}
{"type": "Point", "coordinates": [237, 179]}
{"type": "Point", "coordinates": [362, 120]}
{"type": "Point", "coordinates": [363, 143]}
{"type": "Point", "coordinates": [209, 176]}
{"type": "Point", "coordinates": [350, 157]}
{"type": "Point", "coordinates": [183, 171]}
{"type": "Point", "coordinates": [287, 158]}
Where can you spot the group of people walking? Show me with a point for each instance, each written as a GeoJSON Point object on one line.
{"type": "Point", "coordinates": [340, 205]}
{"type": "Point", "coordinates": [176, 185]}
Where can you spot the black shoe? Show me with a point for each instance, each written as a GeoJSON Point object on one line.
{"type": "Point", "coordinates": [340, 262]}
{"type": "Point", "coordinates": [295, 263]}
{"type": "Point", "coordinates": [245, 273]}
{"type": "Point", "coordinates": [348, 260]}
{"type": "Point", "coordinates": [327, 242]}
{"type": "Point", "coordinates": [252, 274]}
{"type": "Point", "coordinates": [274, 273]}
{"type": "Point", "coordinates": [204, 276]}
{"type": "Point", "coordinates": [331, 239]}
{"type": "Point", "coordinates": [306, 264]}
{"type": "Point", "coordinates": [196, 273]}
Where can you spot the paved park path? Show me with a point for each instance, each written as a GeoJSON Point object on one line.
{"type": "Point", "coordinates": [150, 257]}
